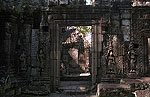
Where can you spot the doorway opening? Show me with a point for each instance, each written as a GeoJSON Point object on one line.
{"type": "Point", "coordinates": [75, 69]}
{"type": "Point", "coordinates": [75, 50]}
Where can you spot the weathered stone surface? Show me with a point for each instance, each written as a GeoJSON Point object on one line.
{"type": "Point", "coordinates": [142, 93]}
{"type": "Point", "coordinates": [116, 90]}
{"type": "Point", "coordinates": [139, 86]}
{"type": "Point", "coordinates": [137, 83]}
{"type": "Point", "coordinates": [114, 25]}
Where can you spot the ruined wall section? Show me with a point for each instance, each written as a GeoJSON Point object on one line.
{"type": "Point", "coordinates": [123, 40]}
{"type": "Point", "coordinates": [9, 30]}
{"type": "Point", "coordinates": [117, 37]}
{"type": "Point", "coordinates": [24, 53]}
{"type": "Point", "coordinates": [140, 31]}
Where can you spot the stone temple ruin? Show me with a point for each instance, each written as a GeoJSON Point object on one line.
{"type": "Point", "coordinates": [39, 55]}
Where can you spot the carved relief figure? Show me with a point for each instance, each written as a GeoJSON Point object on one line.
{"type": "Point", "coordinates": [23, 62]}
{"type": "Point", "coordinates": [132, 61]}
{"type": "Point", "coordinates": [111, 66]}
{"type": "Point", "coordinates": [104, 63]}
{"type": "Point", "coordinates": [41, 59]}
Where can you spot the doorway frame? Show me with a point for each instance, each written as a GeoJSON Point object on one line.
{"type": "Point", "coordinates": [57, 24]}
{"type": "Point", "coordinates": [78, 56]}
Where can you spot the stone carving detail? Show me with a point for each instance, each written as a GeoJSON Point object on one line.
{"type": "Point", "coordinates": [111, 64]}
{"type": "Point", "coordinates": [114, 45]}
{"type": "Point", "coordinates": [104, 64]}
{"type": "Point", "coordinates": [23, 60]}
{"type": "Point", "coordinates": [132, 59]}
{"type": "Point", "coordinates": [41, 59]}
{"type": "Point", "coordinates": [140, 26]}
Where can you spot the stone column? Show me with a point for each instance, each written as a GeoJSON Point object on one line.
{"type": "Point", "coordinates": [99, 44]}
{"type": "Point", "coordinates": [58, 56]}
{"type": "Point", "coordinates": [94, 53]}
{"type": "Point", "coordinates": [54, 55]}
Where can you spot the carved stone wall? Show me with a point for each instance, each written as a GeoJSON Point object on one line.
{"type": "Point", "coordinates": [140, 23]}
{"type": "Point", "coordinates": [9, 30]}
{"type": "Point", "coordinates": [30, 43]}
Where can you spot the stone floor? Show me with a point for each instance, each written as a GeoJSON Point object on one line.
{"type": "Point", "coordinates": [72, 89]}
{"type": "Point", "coordinates": [75, 88]}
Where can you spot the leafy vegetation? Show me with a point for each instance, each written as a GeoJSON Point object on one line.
{"type": "Point", "coordinates": [83, 30]}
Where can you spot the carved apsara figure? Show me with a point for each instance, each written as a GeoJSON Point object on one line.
{"type": "Point", "coordinates": [23, 58]}
{"type": "Point", "coordinates": [111, 65]}
{"type": "Point", "coordinates": [132, 61]}
{"type": "Point", "coordinates": [41, 59]}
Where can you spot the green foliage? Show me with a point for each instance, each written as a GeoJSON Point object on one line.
{"type": "Point", "coordinates": [83, 30]}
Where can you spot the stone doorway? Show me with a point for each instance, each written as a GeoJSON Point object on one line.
{"type": "Point", "coordinates": [75, 44]}
{"type": "Point", "coordinates": [75, 47]}
{"type": "Point", "coordinates": [95, 50]}
{"type": "Point", "coordinates": [77, 16]}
